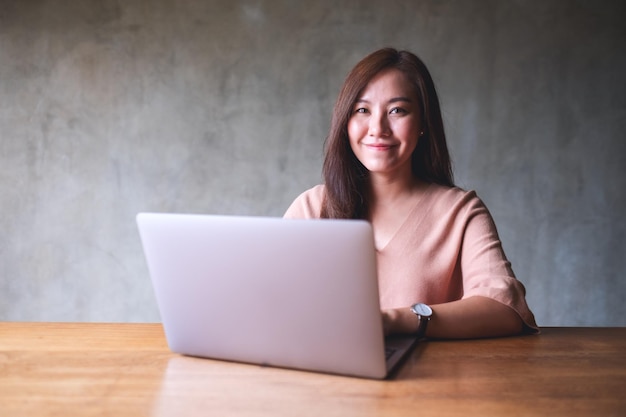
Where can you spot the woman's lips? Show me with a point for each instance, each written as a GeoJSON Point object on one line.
{"type": "Point", "coordinates": [379, 146]}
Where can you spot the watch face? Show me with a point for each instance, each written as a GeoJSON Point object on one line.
{"type": "Point", "coordinates": [422, 310]}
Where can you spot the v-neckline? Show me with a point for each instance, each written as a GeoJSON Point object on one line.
{"type": "Point", "coordinates": [408, 217]}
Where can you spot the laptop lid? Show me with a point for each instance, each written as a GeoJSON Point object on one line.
{"type": "Point", "coordinates": [299, 294]}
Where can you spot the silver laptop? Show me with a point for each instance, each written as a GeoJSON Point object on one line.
{"type": "Point", "coordinates": [299, 294]}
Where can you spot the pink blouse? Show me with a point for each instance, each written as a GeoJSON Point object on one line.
{"type": "Point", "coordinates": [447, 249]}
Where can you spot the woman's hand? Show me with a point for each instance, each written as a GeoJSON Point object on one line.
{"type": "Point", "coordinates": [399, 321]}
{"type": "Point", "coordinates": [387, 322]}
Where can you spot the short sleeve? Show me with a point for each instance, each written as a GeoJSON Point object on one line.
{"type": "Point", "coordinates": [485, 268]}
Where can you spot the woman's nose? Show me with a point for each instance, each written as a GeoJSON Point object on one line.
{"type": "Point", "coordinates": [378, 126]}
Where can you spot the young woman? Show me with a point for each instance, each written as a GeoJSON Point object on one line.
{"type": "Point", "coordinates": [442, 270]}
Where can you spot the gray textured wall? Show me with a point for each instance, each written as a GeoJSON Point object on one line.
{"type": "Point", "coordinates": [108, 108]}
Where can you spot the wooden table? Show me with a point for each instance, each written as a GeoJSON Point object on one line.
{"type": "Point", "coordinates": [127, 370]}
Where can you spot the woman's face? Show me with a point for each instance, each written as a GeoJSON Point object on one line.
{"type": "Point", "coordinates": [385, 124]}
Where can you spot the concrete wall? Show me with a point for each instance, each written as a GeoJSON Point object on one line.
{"type": "Point", "coordinates": [108, 108]}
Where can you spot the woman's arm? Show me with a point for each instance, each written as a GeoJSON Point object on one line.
{"type": "Point", "coordinates": [472, 317]}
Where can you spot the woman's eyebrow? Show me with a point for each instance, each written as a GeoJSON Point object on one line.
{"type": "Point", "coordinates": [392, 100]}
{"type": "Point", "coordinates": [397, 99]}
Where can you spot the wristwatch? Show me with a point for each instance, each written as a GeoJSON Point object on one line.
{"type": "Point", "coordinates": [424, 313]}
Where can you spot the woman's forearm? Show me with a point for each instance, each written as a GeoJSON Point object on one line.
{"type": "Point", "coordinates": [472, 317]}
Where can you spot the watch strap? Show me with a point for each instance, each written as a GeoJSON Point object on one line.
{"type": "Point", "coordinates": [421, 328]}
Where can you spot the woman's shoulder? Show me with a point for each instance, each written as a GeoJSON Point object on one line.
{"type": "Point", "coordinates": [313, 196]}
{"type": "Point", "coordinates": [457, 205]}
{"type": "Point", "coordinates": [308, 204]}
{"type": "Point", "coordinates": [457, 202]}
{"type": "Point", "coordinates": [316, 191]}
{"type": "Point", "coordinates": [450, 194]}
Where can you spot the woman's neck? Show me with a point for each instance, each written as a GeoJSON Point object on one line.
{"type": "Point", "coordinates": [385, 191]}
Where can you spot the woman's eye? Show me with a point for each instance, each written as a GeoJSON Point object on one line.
{"type": "Point", "coordinates": [361, 110]}
{"type": "Point", "coordinates": [397, 110]}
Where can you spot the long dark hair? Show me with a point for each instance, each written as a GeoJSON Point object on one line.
{"type": "Point", "coordinates": [345, 177]}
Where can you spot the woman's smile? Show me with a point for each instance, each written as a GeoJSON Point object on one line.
{"type": "Point", "coordinates": [379, 146]}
